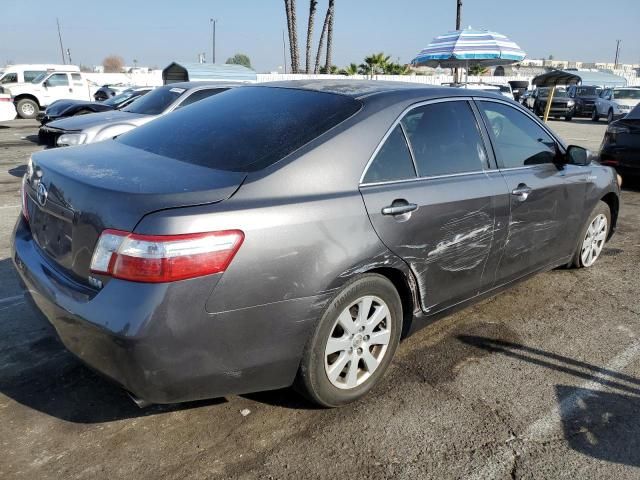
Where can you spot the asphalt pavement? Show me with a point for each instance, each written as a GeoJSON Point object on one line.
{"type": "Point", "coordinates": [541, 381]}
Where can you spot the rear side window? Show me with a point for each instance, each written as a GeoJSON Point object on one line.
{"type": "Point", "coordinates": [77, 79]}
{"type": "Point", "coordinates": [518, 140]}
{"type": "Point", "coordinates": [445, 139]}
{"type": "Point", "coordinates": [243, 129]}
{"type": "Point", "coordinates": [393, 161]}
{"type": "Point", "coordinates": [200, 95]}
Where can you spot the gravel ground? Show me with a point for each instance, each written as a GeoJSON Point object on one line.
{"type": "Point", "coordinates": [542, 381]}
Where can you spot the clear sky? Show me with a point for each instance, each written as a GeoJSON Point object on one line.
{"type": "Point", "coordinates": [158, 32]}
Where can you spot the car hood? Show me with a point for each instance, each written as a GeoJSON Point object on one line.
{"type": "Point", "coordinates": [60, 106]}
{"type": "Point", "coordinates": [629, 102]}
{"type": "Point", "coordinates": [83, 122]}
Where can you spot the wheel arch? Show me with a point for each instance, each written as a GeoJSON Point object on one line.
{"type": "Point", "coordinates": [27, 96]}
{"type": "Point", "coordinates": [612, 200]}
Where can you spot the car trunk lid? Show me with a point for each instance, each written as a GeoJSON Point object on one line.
{"type": "Point", "coordinates": [77, 192]}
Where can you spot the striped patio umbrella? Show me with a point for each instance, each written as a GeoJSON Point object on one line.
{"type": "Point", "coordinates": [468, 48]}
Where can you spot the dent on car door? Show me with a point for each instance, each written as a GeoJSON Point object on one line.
{"type": "Point", "coordinates": [547, 196]}
{"type": "Point", "coordinates": [435, 201]}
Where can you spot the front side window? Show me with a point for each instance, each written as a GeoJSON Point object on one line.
{"type": "Point", "coordinates": [445, 139]}
{"type": "Point", "coordinates": [518, 140]}
{"type": "Point", "coordinates": [393, 161]}
{"type": "Point", "coordinates": [58, 80]}
{"type": "Point", "coordinates": [9, 78]}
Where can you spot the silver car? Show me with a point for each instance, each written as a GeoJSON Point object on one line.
{"type": "Point", "coordinates": [96, 127]}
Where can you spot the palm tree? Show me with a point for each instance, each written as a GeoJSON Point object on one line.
{"type": "Point", "coordinates": [290, 7]}
{"type": "Point", "coordinates": [313, 4]}
{"type": "Point", "coordinates": [330, 13]}
{"type": "Point", "coordinates": [376, 63]}
{"type": "Point", "coordinates": [325, 27]}
{"type": "Point", "coordinates": [352, 69]}
{"type": "Point", "coordinates": [478, 70]}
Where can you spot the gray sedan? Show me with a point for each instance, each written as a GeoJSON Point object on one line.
{"type": "Point", "coordinates": [95, 127]}
{"type": "Point", "coordinates": [293, 233]}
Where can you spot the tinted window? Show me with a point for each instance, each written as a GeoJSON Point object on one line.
{"type": "Point", "coordinates": [156, 102]}
{"type": "Point", "coordinates": [393, 161]}
{"type": "Point", "coordinates": [243, 129]}
{"type": "Point", "coordinates": [30, 75]}
{"type": "Point", "coordinates": [58, 80]}
{"type": "Point", "coordinates": [445, 139]}
{"type": "Point", "coordinates": [199, 95]}
{"type": "Point", "coordinates": [10, 78]}
{"type": "Point", "coordinates": [76, 78]}
{"type": "Point", "coordinates": [518, 140]}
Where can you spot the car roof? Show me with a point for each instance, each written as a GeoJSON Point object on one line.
{"type": "Point", "coordinates": [362, 89]}
{"type": "Point", "coordinates": [208, 83]}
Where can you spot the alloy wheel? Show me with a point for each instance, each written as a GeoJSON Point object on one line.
{"type": "Point", "coordinates": [594, 240]}
{"type": "Point", "coordinates": [358, 342]}
{"type": "Point", "coordinates": [27, 109]}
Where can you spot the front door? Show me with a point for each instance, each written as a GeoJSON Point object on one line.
{"type": "Point", "coordinates": [57, 87]}
{"type": "Point", "coordinates": [436, 202]}
{"type": "Point", "coordinates": [545, 195]}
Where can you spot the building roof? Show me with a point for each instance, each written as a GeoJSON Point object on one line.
{"type": "Point", "coordinates": [191, 71]}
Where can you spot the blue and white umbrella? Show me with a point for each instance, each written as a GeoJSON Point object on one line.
{"type": "Point", "coordinates": [468, 48]}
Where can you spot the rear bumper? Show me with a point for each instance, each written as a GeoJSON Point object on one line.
{"type": "Point", "coordinates": [626, 161]}
{"type": "Point", "coordinates": [157, 340]}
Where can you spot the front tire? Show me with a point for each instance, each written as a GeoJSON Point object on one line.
{"type": "Point", "coordinates": [594, 115]}
{"type": "Point", "coordinates": [593, 236]}
{"type": "Point", "coordinates": [353, 343]}
{"type": "Point", "coordinates": [568, 118]}
{"type": "Point", "coordinates": [27, 108]}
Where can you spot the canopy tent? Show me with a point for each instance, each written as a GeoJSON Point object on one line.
{"type": "Point", "coordinates": [190, 72]}
{"type": "Point", "coordinates": [554, 78]}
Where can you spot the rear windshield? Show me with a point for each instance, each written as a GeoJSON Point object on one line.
{"type": "Point", "coordinates": [243, 129]}
{"type": "Point", "coordinates": [155, 102]}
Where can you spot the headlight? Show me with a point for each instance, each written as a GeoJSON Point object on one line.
{"type": "Point", "coordinates": [70, 139]}
{"type": "Point", "coordinates": [571, 103]}
{"type": "Point", "coordinates": [30, 168]}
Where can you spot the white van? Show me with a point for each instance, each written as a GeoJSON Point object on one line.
{"type": "Point", "coordinates": [26, 73]}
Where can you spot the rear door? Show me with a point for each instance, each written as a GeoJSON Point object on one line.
{"type": "Point", "coordinates": [435, 200]}
{"type": "Point", "coordinates": [546, 196]}
{"type": "Point", "coordinates": [78, 88]}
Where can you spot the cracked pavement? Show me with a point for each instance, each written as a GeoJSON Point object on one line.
{"type": "Point", "coordinates": [541, 381]}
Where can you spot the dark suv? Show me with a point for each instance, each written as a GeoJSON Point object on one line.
{"type": "Point", "coordinates": [585, 98]}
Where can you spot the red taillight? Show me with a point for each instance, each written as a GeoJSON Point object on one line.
{"type": "Point", "coordinates": [5, 99]}
{"type": "Point", "coordinates": [25, 209]}
{"type": "Point", "coordinates": [164, 258]}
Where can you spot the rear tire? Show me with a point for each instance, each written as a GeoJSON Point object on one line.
{"type": "Point", "coordinates": [594, 115]}
{"type": "Point", "coordinates": [353, 344]}
{"type": "Point", "coordinates": [593, 236]}
{"type": "Point", "coordinates": [27, 108]}
{"type": "Point", "coordinates": [568, 118]}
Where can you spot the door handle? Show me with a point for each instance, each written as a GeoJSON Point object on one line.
{"type": "Point", "coordinates": [399, 207]}
{"type": "Point", "coordinates": [522, 191]}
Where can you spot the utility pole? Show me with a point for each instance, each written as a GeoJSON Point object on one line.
{"type": "Point", "coordinates": [284, 52]}
{"type": "Point", "coordinates": [615, 63]}
{"type": "Point", "coordinates": [213, 40]}
{"type": "Point", "coordinates": [60, 38]}
{"type": "Point", "coordinates": [458, 23]}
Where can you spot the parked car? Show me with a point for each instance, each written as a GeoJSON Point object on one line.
{"type": "Point", "coordinates": [621, 145]}
{"type": "Point", "coordinates": [561, 105]}
{"type": "Point", "coordinates": [295, 231]}
{"type": "Point", "coordinates": [7, 109]}
{"type": "Point", "coordinates": [45, 89]}
{"type": "Point", "coordinates": [26, 73]}
{"type": "Point", "coordinates": [69, 108]}
{"type": "Point", "coordinates": [615, 103]}
{"type": "Point", "coordinates": [104, 125]}
{"type": "Point", "coordinates": [524, 98]}
{"type": "Point", "coordinates": [585, 97]}
{"type": "Point", "coordinates": [518, 87]}
{"type": "Point", "coordinates": [109, 91]}
{"type": "Point", "coordinates": [504, 90]}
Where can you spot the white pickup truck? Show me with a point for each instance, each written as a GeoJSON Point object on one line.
{"type": "Point", "coordinates": [45, 89]}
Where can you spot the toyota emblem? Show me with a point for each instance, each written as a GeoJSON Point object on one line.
{"type": "Point", "coordinates": [42, 194]}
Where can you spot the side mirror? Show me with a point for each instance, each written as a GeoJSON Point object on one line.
{"type": "Point", "coordinates": [45, 84]}
{"type": "Point", "coordinates": [578, 155]}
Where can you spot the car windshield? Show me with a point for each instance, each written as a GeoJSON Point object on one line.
{"type": "Point", "coordinates": [626, 94]}
{"type": "Point", "coordinates": [243, 129]}
{"type": "Point", "coordinates": [588, 90]}
{"type": "Point", "coordinates": [118, 99]}
{"type": "Point", "coordinates": [39, 78]}
{"type": "Point", "coordinates": [544, 92]}
{"type": "Point", "coordinates": [156, 102]}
